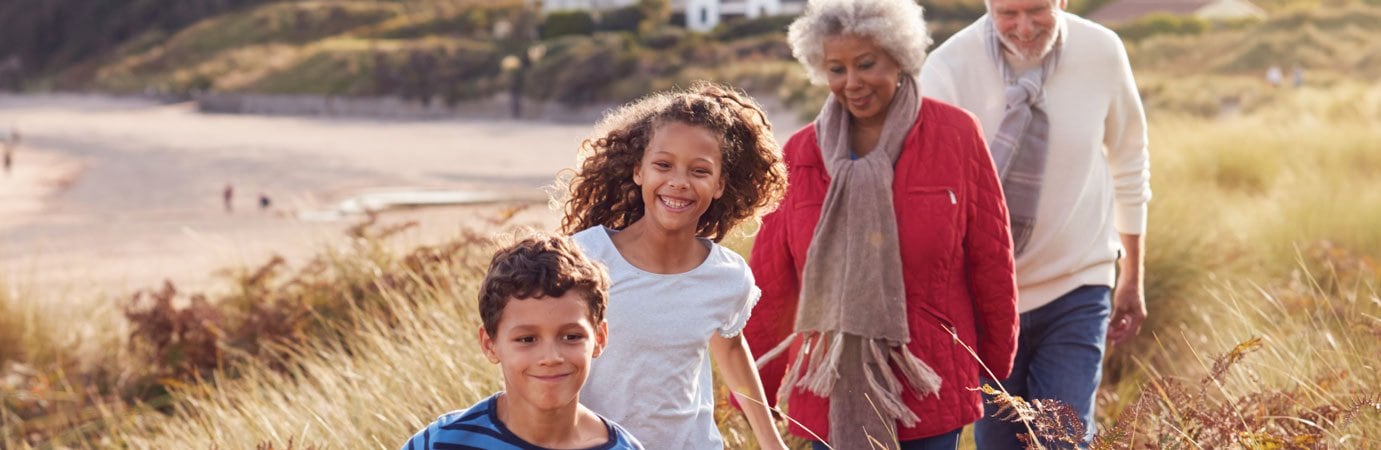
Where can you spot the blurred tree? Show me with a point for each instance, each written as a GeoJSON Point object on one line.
{"type": "Point", "coordinates": [565, 23]}
{"type": "Point", "coordinates": [628, 18]}
{"type": "Point", "coordinates": [46, 35]}
{"type": "Point", "coordinates": [656, 15]}
{"type": "Point", "coordinates": [520, 44]}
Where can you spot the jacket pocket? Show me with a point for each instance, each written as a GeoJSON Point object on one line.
{"type": "Point", "coordinates": [928, 230]}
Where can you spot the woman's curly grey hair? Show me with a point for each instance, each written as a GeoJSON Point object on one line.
{"type": "Point", "coordinates": [897, 26]}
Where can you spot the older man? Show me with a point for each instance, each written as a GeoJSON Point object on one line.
{"type": "Point", "coordinates": [1055, 95]}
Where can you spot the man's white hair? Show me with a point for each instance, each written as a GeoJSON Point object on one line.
{"type": "Point", "coordinates": [897, 26]}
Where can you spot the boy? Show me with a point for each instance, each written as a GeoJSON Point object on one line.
{"type": "Point", "coordinates": [542, 304]}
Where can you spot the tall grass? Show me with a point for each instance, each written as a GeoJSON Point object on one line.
{"type": "Point", "coordinates": [396, 376]}
{"type": "Point", "coordinates": [1263, 226]}
{"type": "Point", "coordinates": [47, 349]}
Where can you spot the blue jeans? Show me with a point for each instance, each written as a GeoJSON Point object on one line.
{"type": "Point", "coordinates": [947, 441]}
{"type": "Point", "coordinates": [1059, 356]}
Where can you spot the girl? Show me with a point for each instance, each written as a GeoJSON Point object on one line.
{"type": "Point", "coordinates": [666, 179]}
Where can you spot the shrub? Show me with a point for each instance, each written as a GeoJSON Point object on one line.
{"type": "Point", "coordinates": [738, 29]}
{"type": "Point", "coordinates": [566, 23]}
{"type": "Point", "coordinates": [667, 37]}
{"type": "Point", "coordinates": [454, 71]}
{"type": "Point", "coordinates": [626, 19]}
{"type": "Point", "coordinates": [578, 70]}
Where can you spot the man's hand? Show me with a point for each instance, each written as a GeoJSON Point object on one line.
{"type": "Point", "coordinates": [1129, 297]}
{"type": "Point", "coordinates": [1128, 311]}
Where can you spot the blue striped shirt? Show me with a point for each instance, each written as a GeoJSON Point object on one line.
{"type": "Point", "coordinates": [479, 427]}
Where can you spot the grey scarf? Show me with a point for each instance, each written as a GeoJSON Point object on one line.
{"type": "Point", "coordinates": [852, 311]}
{"type": "Point", "coordinates": [1019, 149]}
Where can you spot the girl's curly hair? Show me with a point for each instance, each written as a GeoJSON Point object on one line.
{"type": "Point", "coordinates": [602, 192]}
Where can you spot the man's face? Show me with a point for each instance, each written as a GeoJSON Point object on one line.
{"type": "Point", "coordinates": [1026, 27]}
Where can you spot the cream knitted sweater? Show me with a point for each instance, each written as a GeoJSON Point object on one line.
{"type": "Point", "coordinates": [1097, 172]}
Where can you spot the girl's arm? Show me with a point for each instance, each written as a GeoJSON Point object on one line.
{"type": "Point", "coordinates": [735, 364]}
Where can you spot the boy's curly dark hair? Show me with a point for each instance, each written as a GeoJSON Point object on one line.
{"type": "Point", "coordinates": [603, 192]}
{"type": "Point", "coordinates": [541, 266]}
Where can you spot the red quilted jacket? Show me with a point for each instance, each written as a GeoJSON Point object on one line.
{"type": "Point", "coordinates": [956, 262]}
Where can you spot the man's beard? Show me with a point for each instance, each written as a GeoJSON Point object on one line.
{"type": "Point", "coordinates": [1025, 55]}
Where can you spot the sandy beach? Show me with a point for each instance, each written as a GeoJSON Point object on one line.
{"type": "Point", "coordinates": [109, 195]}
{"type": "Point", "coordinates": [24, 188]}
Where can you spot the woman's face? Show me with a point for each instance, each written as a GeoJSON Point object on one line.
{"type": "Point", "coordinates": [861, 75]}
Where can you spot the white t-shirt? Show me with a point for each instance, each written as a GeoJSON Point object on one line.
{"type": "Point", "coordinates": [654, 377]}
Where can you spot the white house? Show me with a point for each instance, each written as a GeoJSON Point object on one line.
{"type": "Point", "coordinates": [701, 15]}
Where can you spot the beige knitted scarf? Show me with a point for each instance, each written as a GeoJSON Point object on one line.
{"type": "Point", "coordinates": [852, 310]}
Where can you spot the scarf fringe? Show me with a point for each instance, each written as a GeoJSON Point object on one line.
{"type": "Point", "coordinates": [918, 374]}
{"type": "Point", "coordinates": [824, 366]}
{"type": "Point", "coordinates": [823, 351]}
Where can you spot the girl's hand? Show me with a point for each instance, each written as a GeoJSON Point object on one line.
{"type": "Point", "coordinates": [735, 364]}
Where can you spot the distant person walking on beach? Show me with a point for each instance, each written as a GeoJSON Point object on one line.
{"type": "Point", "coordinates": [227, 195]}
{"type": "Point", "coordinates": [1274, 76]}
{"type": "Point", "coordinates": [264, 202]}
{"type": "Point", "coordinates": [11, 143]}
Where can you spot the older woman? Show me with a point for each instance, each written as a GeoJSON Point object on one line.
{"type": "Point", "coordinates": [890, 252]}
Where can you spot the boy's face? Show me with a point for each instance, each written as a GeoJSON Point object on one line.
{"type": "Point", "coordinates": [544, 347]}
{"type": "Point", "coordinates": [680, 175]}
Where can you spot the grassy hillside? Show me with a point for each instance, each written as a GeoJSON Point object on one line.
{"type": "Point", "coordinates": [322, 47]}
{"type": "Point", "coordinates": [1338, 42]}
{"type": "Point", "coordinates": [47, 36]}
{"type": "Point", "coordinates": [453, 50]}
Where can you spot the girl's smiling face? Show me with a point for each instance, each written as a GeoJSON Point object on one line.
{"type": "Point", "coordinates": [680, 175]}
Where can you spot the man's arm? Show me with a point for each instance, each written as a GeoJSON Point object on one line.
{"type": "Point", "coordinates": [1130, 166]}
{"type": "Point", "coordinates": [1129, 297]}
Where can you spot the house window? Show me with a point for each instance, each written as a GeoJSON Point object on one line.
{"type": "Point", "coordinates": [705, 15]}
